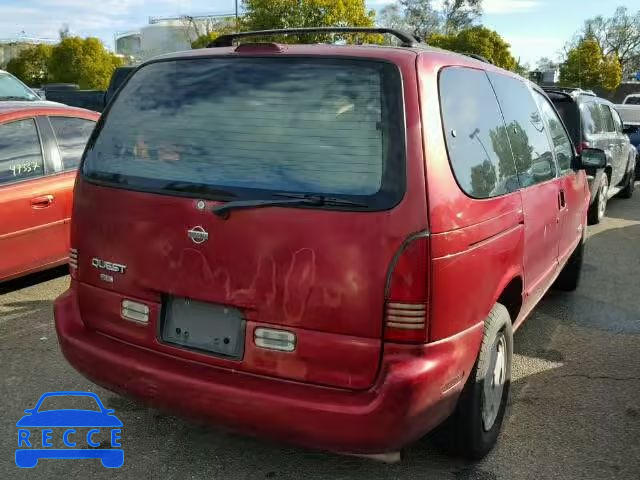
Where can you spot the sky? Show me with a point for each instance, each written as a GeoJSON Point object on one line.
{"type": "Point", "coordinates": [534, 28]}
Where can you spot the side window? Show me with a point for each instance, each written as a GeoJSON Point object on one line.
{"type": "Point", "coordinates": [475, 133]}
{"type": "Point", "coordinates": [594, 120]}
{"type": "Point", "coordinates": [529, 141]}
{"type": "Point", "coordinates": [617, 120]}
{"type": "Point", "coordinates": [559, 137]}
{"type": "Point", "coordinates": [609, 126]}
{"type": "Point", "coordinates": [20, 151]}
{"type": "Point", "coordinates": [72, 135]}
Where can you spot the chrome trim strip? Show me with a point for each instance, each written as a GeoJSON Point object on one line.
{"type": "Point", "coordinates": [396, 319]}
{"type": "Point", "coordinates": [406, 313]}
{"type": "Point", "coordinates": [407, 306]}
{"type": "Point", "coordinates": [406, 326]}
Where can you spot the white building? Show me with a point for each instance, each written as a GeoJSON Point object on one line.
{"type": "Point", "coordinates": [11, 47]}
{"type": "Point", "coordinates": [164, 35]}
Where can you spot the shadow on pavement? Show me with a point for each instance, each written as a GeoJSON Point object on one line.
{"type": "Point", "coordinates": [619, 207]}
{"type": "Point", "coordinates": [33, 279]}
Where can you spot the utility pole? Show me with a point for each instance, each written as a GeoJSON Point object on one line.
{"type": "Point", "coordinates": [237, 24]}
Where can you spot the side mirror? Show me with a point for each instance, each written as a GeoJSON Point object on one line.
{"type": "Point", "coordinates": [593, 158]}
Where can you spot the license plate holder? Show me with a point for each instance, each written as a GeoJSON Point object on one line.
{"type": "Point", "coordinates": [208, 327]}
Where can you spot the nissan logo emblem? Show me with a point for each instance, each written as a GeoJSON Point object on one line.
{"type": "Point", "coordinates": [198, 234]}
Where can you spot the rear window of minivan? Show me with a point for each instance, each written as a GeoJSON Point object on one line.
{"type": "Point", "coordinates": [251, 127]}
{"type": "Point", "coordinates": [570, 115]}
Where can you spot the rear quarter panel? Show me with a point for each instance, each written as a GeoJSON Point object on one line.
{"type": "Point", "coordinates": [476, 245]}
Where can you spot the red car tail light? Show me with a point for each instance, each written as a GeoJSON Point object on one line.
{"type": "Point", "coordinates": [582, 146]}
{"type": "Point", "coordinates": [73, 262]}
{"type": "Point", "coordinates": [407, 294]}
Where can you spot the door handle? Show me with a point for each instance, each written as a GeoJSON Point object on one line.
{"type": "Point", "coordinates": [42, 202]}
{"type": "Point", "coordinates": [561, 200]}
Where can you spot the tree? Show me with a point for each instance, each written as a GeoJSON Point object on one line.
{"type": "Point", "coordinates": [478, 40]}
{"type": "Point", "coordinates": [392, 16]}
{"type": "Point", "coordinates": [587, 67]}
{"type": "Point", "coordinates": [205, 30]}
{"type": "Point", "coordinates": [522, 69]}
{"type": "Point", "coordinates": [64, 31]}
{"type": "Point", "coordinates": [460, 14]}
{"type": "Point", "coordinates": [32, 65]}
{"type": "Point", "coordinates": [618, 35]}
{"type": "Point", "coordinates": [269, 14]}
{"type": "Point", "coordinates": [422, 17]}
{"type": "Point", "coordinates": [544, 63]}
{"type": "Point", "coordinates": [483, 179]}
{"type": "Point", "coordinates": [426, 17]}
{"type": "Point", "coordinates": [82, 61]}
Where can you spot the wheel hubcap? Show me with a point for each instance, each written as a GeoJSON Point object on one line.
{"type": "Point", "coordinates": [602, 198]}
{"type": "Point", "coordinates": [494, 383]}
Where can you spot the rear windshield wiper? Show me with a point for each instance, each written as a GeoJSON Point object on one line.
{"type": "Point", "coordinates": [290, 199]}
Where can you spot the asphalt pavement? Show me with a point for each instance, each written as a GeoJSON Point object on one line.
{"type": "Point", "coordinates": [574, 411]}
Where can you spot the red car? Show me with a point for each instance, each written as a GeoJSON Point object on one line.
{"type": "Point", "coordinates": [41, 144]}
{"type": "Point", "coordinates": [328, 245]}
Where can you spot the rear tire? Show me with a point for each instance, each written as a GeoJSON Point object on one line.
{"type": "Point", "coordinates": [569, 277]}
{"type": "Point", "coordinates": [629, 186]}
{"type": "Point", "coordinates": [473, 428]}
{"type": "Point", "coordinates": [599, 206]}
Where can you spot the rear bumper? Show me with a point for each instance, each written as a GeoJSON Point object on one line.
{"type": "Point", "coordinates": [417, 388]}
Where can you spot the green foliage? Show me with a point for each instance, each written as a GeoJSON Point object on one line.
{"type": "Point", "coordinates": [587, 67]}
{"type": "Point", "coordinates": [522, 69]}
{"type": "Point", "coordinates": [203, 40]}
{"type": "Point", "coordinates": [483, 179]}
{"type": "Point", "coordinates": [617, 35]}
{"type": "Point", "coordinates": [32, 65]}
{"type": "Point", "coordinates": [272, 14]}
{"type": "Point", "coordinates": [214, 31]}
{"type": "Point", "coordinates": [426, 17]}
{"type": "Point", "coordinates": [82, 61]}
{"type": "Point", "coordinates": [478, 40]}
{"type": "Point", "coordinates": [209, 31]}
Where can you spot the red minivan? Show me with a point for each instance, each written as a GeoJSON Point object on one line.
{"type": "Point", "coordinates": [329, 245]}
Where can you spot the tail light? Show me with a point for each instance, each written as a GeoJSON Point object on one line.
{"type": "Point", "coordinates": [407, 294]}
{"type": "Point", "coordinates": [73, 262]}
{"type": "Point", "coordinates": [582, 145]}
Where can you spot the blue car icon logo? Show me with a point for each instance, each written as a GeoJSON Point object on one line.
{"type": "Point", "coordinates": [62, 426]}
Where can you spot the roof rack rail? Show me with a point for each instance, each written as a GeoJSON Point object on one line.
{"type": "Point", "coordinates": [568, 90]}
{"type": "Point", "coordinates": [407, 39]}
{"type": "Point", "coordinates": [477, 57]}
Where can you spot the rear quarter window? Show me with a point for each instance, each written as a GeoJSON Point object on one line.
{"type": "Point", "coordinates": [531, 148]}
{"type": "Point", "coordinates": [593, 119]}
{"type": "Point", "coordinates": [607, 118]}
{"type": "Point", "coordinates": [72, 135]}
{"type": "Point", "coordinates": [475, 134]}
{"type": "Point", "coordinates": [570, 115]}
{"type": "Point", "coordinates": [251, 126]}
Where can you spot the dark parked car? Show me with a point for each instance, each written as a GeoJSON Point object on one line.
{"type": "Point", "coordinates": [118, 77]}
{"type": "Point", "coordinates": [593, 122]}
{"type": "Point", "coordinates": [633, 132]}
{"type": "Point", "coordinates": [96, 100]}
